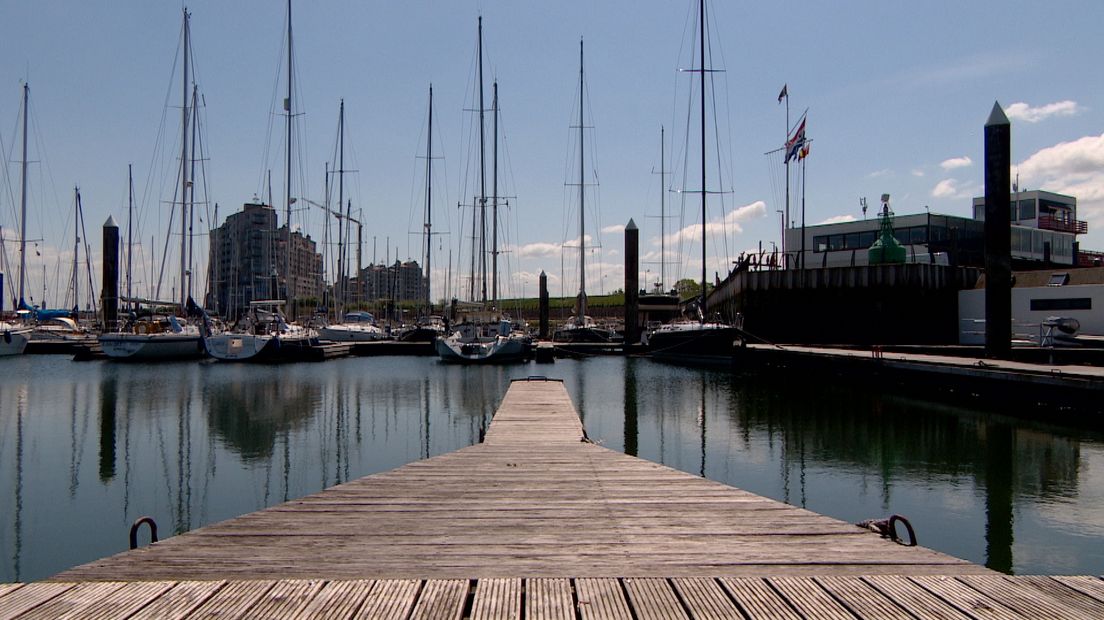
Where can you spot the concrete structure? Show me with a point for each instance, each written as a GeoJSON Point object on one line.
{"type": "Point", "coordinates": [1044, 232]}
{"type": "Point", "coordinates": [1037, 296]}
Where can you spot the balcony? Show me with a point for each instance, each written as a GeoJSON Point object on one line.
{"type": "Point", "coordinates": [1049, 222]}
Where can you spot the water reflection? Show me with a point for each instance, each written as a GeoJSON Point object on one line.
{"type": "Point", "coordinates": [107, 429]}
{"type": "Point", "coordinates": [191, 444]}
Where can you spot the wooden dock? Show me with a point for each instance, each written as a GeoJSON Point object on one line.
{"type": "Point", "coordinates": [966, 597]}
{"type": "Point", "coordinates": [537, 522]}
{"type": "Point", "coordinates": [1067, 393]}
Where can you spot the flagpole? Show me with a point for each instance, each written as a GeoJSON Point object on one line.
{"type": "Point", "coordinates": [803, 213]}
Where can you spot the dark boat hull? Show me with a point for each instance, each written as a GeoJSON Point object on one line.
{"type": "Point", "coordinates": [699, 347]}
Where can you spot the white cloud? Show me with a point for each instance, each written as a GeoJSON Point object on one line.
{"type": "Point", "coordinates": [1023, 112]}
{"type": "Point", "coordinates": [947, 188]}
{"type": "Point", "coordinates": [838, 219]}
{"type": "Point", "coordinates": [956, 162]}
{"type": "Point", "coordinates": [729, 224]}
{"type": "Point", "coordinates": [613, 230]}
{"type": "Point", "coordinates": [879, 173]}
{"type": "Point", "coordinates": [1075, 168]}
{"type": "Point", "coordinates": [539, 250]}
{"type": "Point", "coordinates": [917, 172]}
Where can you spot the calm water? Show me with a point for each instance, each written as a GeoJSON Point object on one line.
{"type": "Point", "coordinates": [86, 448]}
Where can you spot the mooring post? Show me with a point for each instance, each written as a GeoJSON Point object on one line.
{"type": "Point", "coordinates": [632, 283]}
{"type": "Point", "coordinates": [543, 306]}
{"type": "Point", "coordinates": [998, 235]}
{"type": "Point", "coordinates": [110, 295]}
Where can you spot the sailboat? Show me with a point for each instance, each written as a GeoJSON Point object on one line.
{"type": "Point", "coordinates": [14, 336]}
{"type": "Point", "coordinates": [263, 333]}
{"type": "Point", "coordinates": [427, 327]}
{"type": "Point", "coordinates": [354, 326]}
{"type": "Point", "coordinates": [580, 327]}
{"type": "Point", "coordinates": [59, 330]}
{"type": "Point", "coordinates": [483, 335]}
{"type": "Point", "coordinates": [659, 305]}
{"type": "Point", "coordinates": [158, 333]}
{"type": "Point", "coordinates": [698, 340]}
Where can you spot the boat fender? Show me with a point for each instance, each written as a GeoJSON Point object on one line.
{"type": "Point", "coordinates": [7, 337]}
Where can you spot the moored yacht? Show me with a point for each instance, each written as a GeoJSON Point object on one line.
{"type": "Point", "coordinates": [262, 335]}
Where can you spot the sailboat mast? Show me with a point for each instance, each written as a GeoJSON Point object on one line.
{"type": "Point", "coordinates": [341, 231]}
{"type": "Point", "coordinates": [701, 8]}
{"type": "Point", "coordinates": [482, 177]}
{"type": "Point", "coordinates": [130, 230]}
{"type": "Point", "coordinates": [184, 117]}
{"type": "Point", "coordinates": [428, 201]}
{"type": "Point", "coordinates": [582, 193]}
{"type": "Point", "coordinates": [662, 211]}
{"type": "Point", "coordinates": [191, 193]}
{"type": "Point", "coordinates": [494, 201]}
{"type": "Point", "coordinates": [76, 248]}
{"type": "Point", "coordinates": [23, 202]}
{"type": "Point", "coordinates": [288, 280]}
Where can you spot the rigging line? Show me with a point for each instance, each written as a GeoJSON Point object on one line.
{"type": "Point", "coordinates": [720, 155]}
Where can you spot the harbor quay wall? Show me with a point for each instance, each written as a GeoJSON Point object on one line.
{"type": "Point", "coordinates": [862, 305]}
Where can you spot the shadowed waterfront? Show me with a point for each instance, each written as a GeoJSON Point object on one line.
{"type": "Point", "coordinates": [82, 455]}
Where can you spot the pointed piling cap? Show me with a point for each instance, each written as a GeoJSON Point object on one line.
{"type": "Point", "coordinates": [997, 116]}
{"type": "Point", "coordinates": [110, 223]}
{"type": "Point", "coordinates": [631, 225]}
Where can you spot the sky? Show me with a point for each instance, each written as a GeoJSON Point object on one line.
{"type": "Point", "coordinates": [897, 95]}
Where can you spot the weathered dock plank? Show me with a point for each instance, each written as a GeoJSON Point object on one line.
{"type": "Point", "coordinates": [20, 599]}
{"type": "Point", "coordinates": [549, 599]}
{"type": "Point", "coordinates": [602, 599]}
{"type": "Point", "coordinates": [759, 600]}
{"type": "Point", "coordinates": [653, 599]}
{"type": "Point", "coordinates": [497, 598]}
{"type": "Point", "coordinates": [180, 601]}
{"type": "Point", "coordinates": [562, 598]}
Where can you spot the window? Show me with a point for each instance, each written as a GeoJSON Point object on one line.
{"type": "Point", "coordinates": [867, 238]}
{"type": "Point", "coordinates": [1058, 279]}
{"type": "Point", "coordinates": [1027, 209]}
{"type": "Point", "coordinates": [835, 242]}
{"type": "Point", "coordinates": [820, 243]}
{"type": "Point", "coordinates": [851, 242]}
{"type": "Point", "coordinates": [918, 234]}
{"type": "Point", "coordinates": [1069, 303]}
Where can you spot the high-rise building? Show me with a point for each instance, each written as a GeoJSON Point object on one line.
{"type": "Point", "coordinates": [247, 262]}
{"type": "Point", "coordinates": [401, 281]}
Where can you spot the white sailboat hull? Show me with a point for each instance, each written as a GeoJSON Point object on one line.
{"type": "Point", "coordinates": [139, 347]}
{"type": "Point", "coordinates": [351, 333]}
{"type": "Point", "coordinates": [233, 347]}
{"type": "Point", "coordinates": [13, 340]}
{"type": "Point", "coordinates": [497, 350]}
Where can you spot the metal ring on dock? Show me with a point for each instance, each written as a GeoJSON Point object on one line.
{"type": "Point", "coordinates": [137, 525]}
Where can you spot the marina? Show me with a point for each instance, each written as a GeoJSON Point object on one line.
{"type": "Point", "coordinates": [754, 404]}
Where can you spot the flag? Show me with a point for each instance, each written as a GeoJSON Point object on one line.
{"type": "Point", "coordinates": [785, 93]}
{"type": "Point", "coordinates": [794, 144]}
{"type": "Point", "coordinates": [803, 153]}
